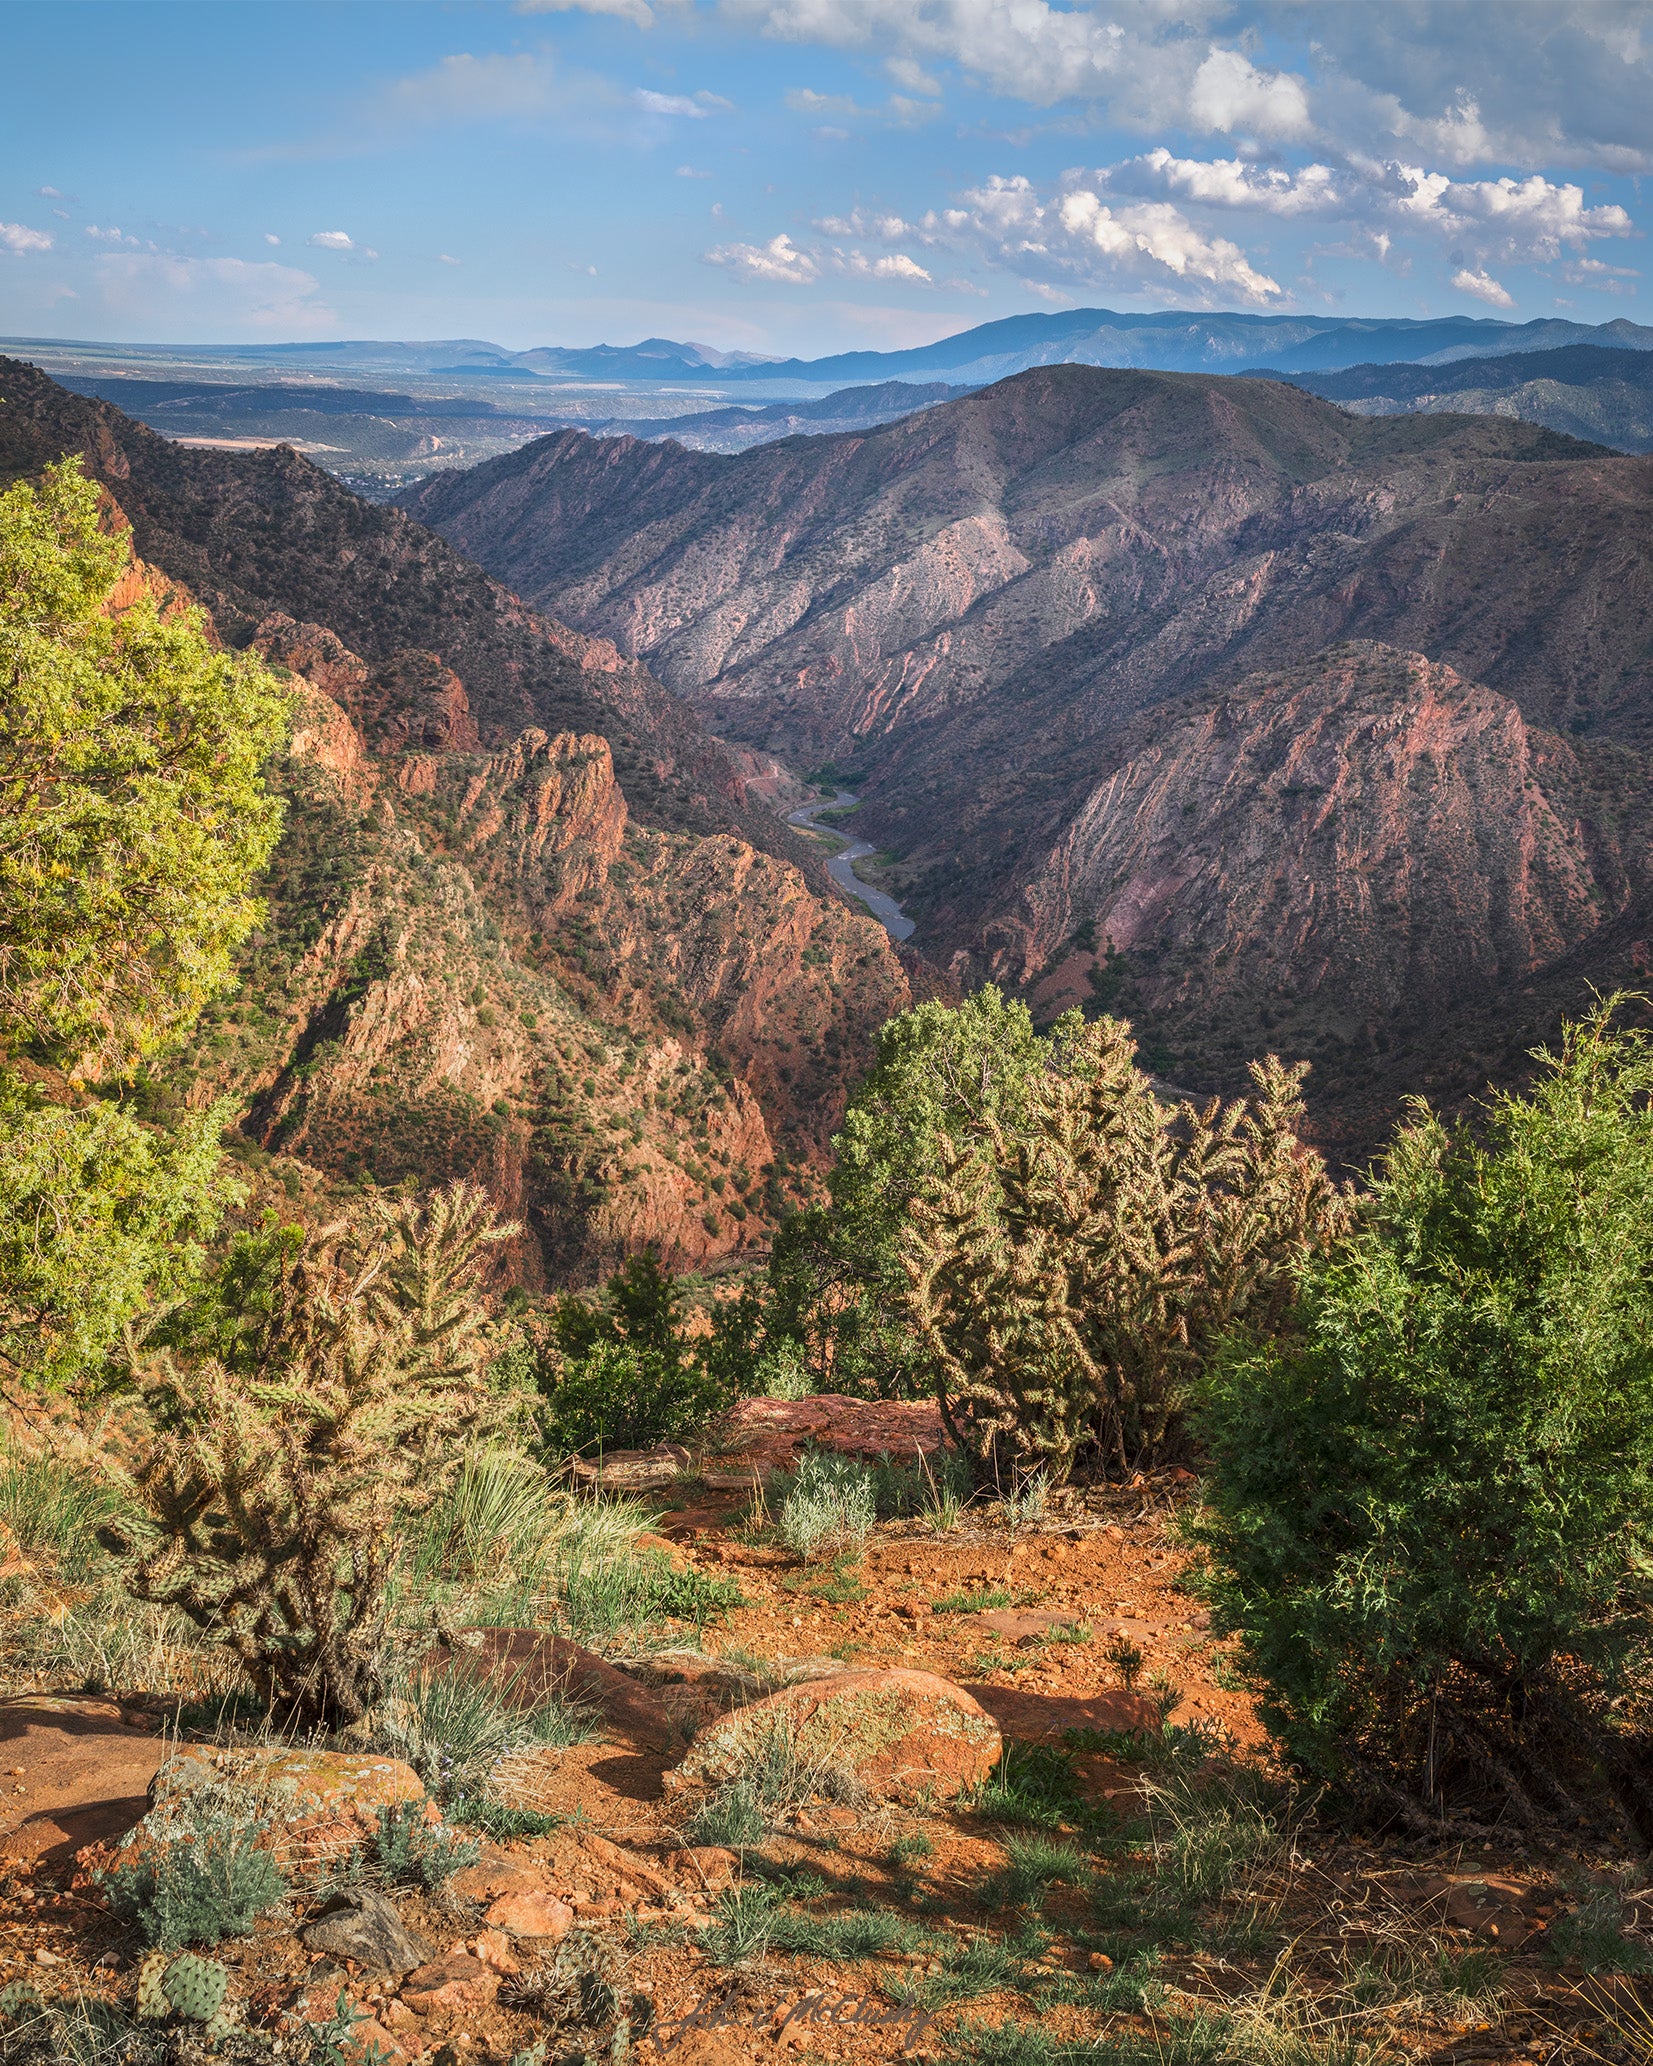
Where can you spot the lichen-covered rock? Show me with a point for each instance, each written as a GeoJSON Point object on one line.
{"type": "Point", "coordinates": [458, 1981]}
{"type": "Point", "coordinates": [897, 1733]}
{"type": "Point", "coordinates": [535, 1912]}
{"type": "Point", "coordinates": [359, 1923]}
{"type": "Point", "coordinates": [294, 1783]}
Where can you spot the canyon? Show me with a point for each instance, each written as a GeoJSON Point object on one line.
{"type": "Point", "coordinates": [1063, 635]}
{"type": "Point", "coordinates": [527, 921]}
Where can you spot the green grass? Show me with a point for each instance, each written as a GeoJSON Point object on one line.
{"type": "Point", "coordinates": [454, 1726]}
{"type": "Point", "coordinates": [504, 1825]}
{"type": "Point", "coordinates": [759, 1920]}
{"type": "Point", "coordinates": [1033, 1787]}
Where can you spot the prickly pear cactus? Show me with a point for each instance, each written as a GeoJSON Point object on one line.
{"type": "Point", "coordinates": [219, 2025]}
{"type": "Point", "coordinates": [17, 2000]}
{"type": "Point", "coordinates": [195, 1987]}
{"type": "Point", "coordinates": [152, 2001]}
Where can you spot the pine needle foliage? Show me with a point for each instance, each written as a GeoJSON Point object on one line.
{"type": "Point", "coordinates": [1430, 1515]}
{"type": "Point", "coordinates": [290, 1443]}
{"type": "Point", "coordinates": [1070, 1268]}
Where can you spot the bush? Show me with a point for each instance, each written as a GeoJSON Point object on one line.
{"type": "Point", "coordinates": [414, 1853]}
{"type": "Point", "coordinates": [201, 1875]}
{"type": "Point", "coordinates": [1430, 1513]}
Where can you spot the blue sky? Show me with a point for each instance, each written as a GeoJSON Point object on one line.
{"type": "Point", "coordinates": [809, 175]}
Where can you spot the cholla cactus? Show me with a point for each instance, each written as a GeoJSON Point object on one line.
{"type": "Point", "coordinates": [1068, 1273]}
{"type": "Point", "coordinates": [281, 1466]}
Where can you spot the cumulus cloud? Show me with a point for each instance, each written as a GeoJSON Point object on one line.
{"type": "Point", "coordinates": [1229, 93]}
{"type": "Point", "coordinates": [1076, 236]}
{"type": "Point", "coordinates": [113, 236]}
{"type": "Point", "coordinates": [779, 259]}
{"type": "Point", "coordinates": [19, 239]}
{"type": "Point", "coordinates": [1483, 286]}
{"type": "Point", "coordinates": [332, 240]}
{"type": "Point", "coordinates": [446, 258]}
{"type": "Point", "coordinates": [890, 265]}
{"type": "Point", "coordinates": [223, 293]}
{"type": "Point", "coordinates": [691, 172]}
{"type": "Point", "coordinates": [1229, 183]}
{"type": "Point", "coordinates": [270, 237]}
{"type": "Point", "coordinates": [1526, 219]}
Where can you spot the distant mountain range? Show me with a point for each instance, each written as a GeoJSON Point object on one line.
{"type": "Point", "coordinates": [1339, 729]}
{"type": "Point", "coordinates": [738, 429]}
{"type": "Point", "coordinates": [1172, 340]}
{"type": "Point", "coordinates": [1584, 389]}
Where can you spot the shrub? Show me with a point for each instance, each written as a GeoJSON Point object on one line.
{"type": "Point", "coordinates": [830, 1503]}
{"type": "Point", "coordinates": [453, 1725]}
{"type": "Point", "coordinates": [201, 1875]}
{"type": "Point", "coordinates": [294, 1429]}
{"type": "Point", "coordinates": [1430, 1515]}
{"type": "Point", "coordinates": [1069, 1269]}
{"type": "Point", "coordinates": [412, 1852]}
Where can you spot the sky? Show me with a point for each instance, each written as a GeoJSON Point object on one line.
{"type": "Point", "coordinates": [807, 176]}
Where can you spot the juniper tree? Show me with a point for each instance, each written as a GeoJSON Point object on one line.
{"type": "Point", "coordinates": [1429, 1518]}
{"type": "Point", "coordinates": [1069, 1267]}
{"type": "Point", "coordinates": [289, 1437]}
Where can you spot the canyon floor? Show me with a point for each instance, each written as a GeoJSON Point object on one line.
{"type": "Point", "coordinates": [1133, 1883]}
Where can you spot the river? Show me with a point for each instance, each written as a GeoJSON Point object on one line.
{"type": "Point", "coordinates": [842, 867]}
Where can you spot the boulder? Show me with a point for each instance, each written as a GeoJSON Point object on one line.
{"type": "Point", "coordinates": [634, 1470]}
{"type": "Point", "coordinates": [897, 1733]}
{"type": "Point", "coordinates": [294, 1785]}
{"type": "Point", "coordinates": [85, 1777]}
{"type": "Point", "coordinates": [359, 1924]}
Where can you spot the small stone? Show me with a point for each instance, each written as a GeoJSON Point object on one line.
{"type": "Point", "coordinates": [363, 1926]}
{"type": "Point", "coordinates": [458, 1981]}
{"type": "Point", "coordinates": [532, 1913]}
{"type": "Point", "coordinates": [494, 1950]}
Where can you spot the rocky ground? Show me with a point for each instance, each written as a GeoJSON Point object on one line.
{"type": "Point", "coordinates": [986, 1845]}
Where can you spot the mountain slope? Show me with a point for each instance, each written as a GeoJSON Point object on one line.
{"type": "Point", "coordinates": [482, 954]}
{"type": "Point", "coordinates": [976, 611]}
{"type": "Point", "coordinates": [1581, 389]}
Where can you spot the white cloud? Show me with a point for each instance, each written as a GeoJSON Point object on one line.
{"type": "Point", "coordinates": [1483, 286]}
{"type": "Point", "coordinates": [1074, 236]}
{"type": "Point", "coordinates": [779, 259]}
{"type": "Point", "coordinates": [270, 237]}
{"type": "Point", "coordinates": [906, 71]}
{"type": "Point", "coordinates": [636, 11]}
{"type": "Point", "coordinates": [668, 103]}
{"type": "Point", "coordinates": [691, 172]}
{"type": "Point", "coordinates": [19, 239]}
{"type": "Point", "coordinates": [892, 265]}
{"type": "Point", "coordinates": [1230, 94]}
{"type": "Point", "coordinates": [861, 222]}
{"type": "Point", "coordinates": [1526, 219]}
{"type": "Point", "coordinates": [446, 258]}
{"type": "Point", "coordinates": [229, 293]}
{"type": "Point", "coordinates": [49, 193]}
{"type": "Point", "coordinates": [113, 236]}
{"type": "Point", "coordinates": [1229, 183]}
{"type": "Point", "coordinates": [332, 240]}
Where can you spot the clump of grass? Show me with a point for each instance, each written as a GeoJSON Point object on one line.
{"type": "Point", "coordinates": [758, 1919]}
{"type": "Point", "coordinates": [1593, 1936]}
{"type": "Point", "coordinates": [1035, 1863]}
{"type": "Point", "coordinates": [1399, 1972]}
{"type": "Point", "coordinates": [1126, 1659]}
{"type": "Point", "coordinates": [731, 1818]}
{"type": "Point", "coordinates": [1033, 1787]}
{"type": "Point", "coordinates": [454, 1725]}
{"type": "Point", "coordinates": [978, 1601]}
{"type": "Point", "coordinates": [910, 1850]}
{"type": "Point", "coordinates": [830, 1502]}
{"type": "Point", "coordinates": [504, 1825]}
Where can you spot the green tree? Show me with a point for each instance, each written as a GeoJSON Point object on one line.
{"type": "Point", "coordinates": [133, 814]}
{"type": "Point", "coordinates": [836, 1278]}
{"type": "Point", "coordinates": [626, 1372]}
{"type": "Point", "coordinates": [98, 1216]}
{"type": "Point", "coordinates": [1430, 1514]}
{"type": "Point", "coordinates": [1071, 1265]}
{"type": "Point", "coordinates": [133, 821]}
